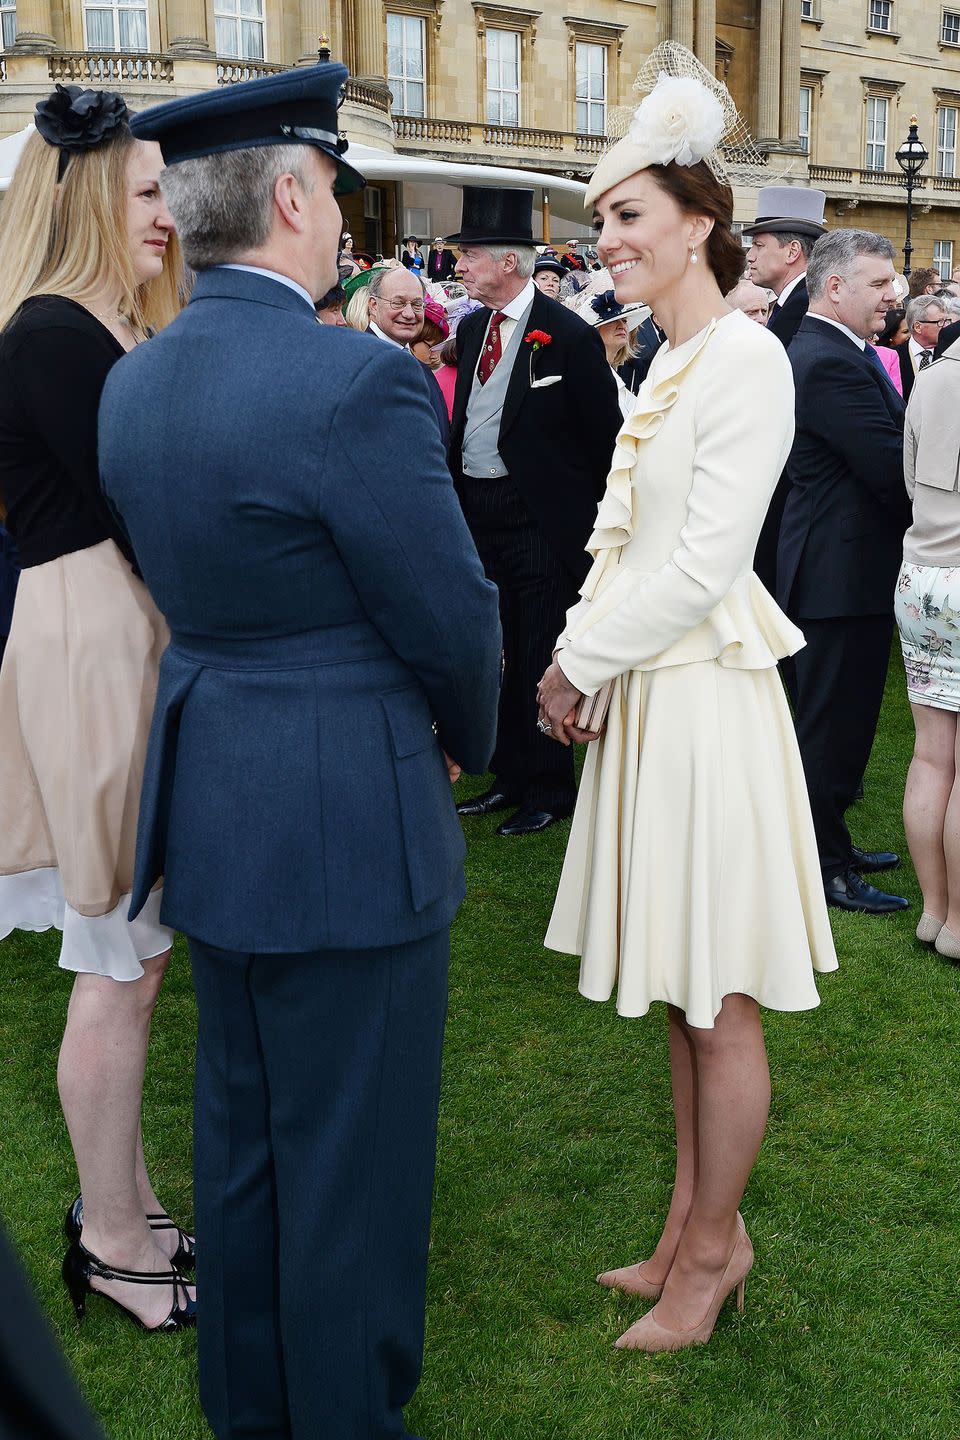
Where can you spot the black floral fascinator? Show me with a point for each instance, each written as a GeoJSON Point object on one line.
{"type": "Point", "coordinates": [607, 307]}
{"type": "Point", "coordinates": [74, 119]}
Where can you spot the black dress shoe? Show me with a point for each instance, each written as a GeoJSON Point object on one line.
{"type": "Point", "coordinates": [870, 861]}
{"type": "Point", "coordinates": [486, 804]}
{"type": "Point", "coordinates": [849, 892]}
{"type": "Point", "coordinates": [528, 822]}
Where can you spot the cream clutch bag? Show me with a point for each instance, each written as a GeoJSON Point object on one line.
{"type": "Point", "coordinates": [592, 710]}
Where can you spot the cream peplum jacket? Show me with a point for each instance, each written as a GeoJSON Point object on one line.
{"type": "Point", "coordinates": [693, 472]}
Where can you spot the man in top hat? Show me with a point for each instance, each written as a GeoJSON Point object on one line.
{"type": "Point", "coordinates": [547, 274]}
{"type": "Point", "coordinates": [789, 222]}
{"type": "Point", "coordinates": [328, 646]}
{"type": "Point", "coordinates": [535, 418]}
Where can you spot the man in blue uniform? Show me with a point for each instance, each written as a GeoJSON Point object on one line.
{"type": "Point", "coordinates": [333, 640]}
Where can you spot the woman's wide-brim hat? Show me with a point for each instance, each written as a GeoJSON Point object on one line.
{"type": "Point", "coordinates": [789, 209]}
{"type": "Point", "coordinates": [597, 304]}
{"type": "Point", "coordinates": [495, 217]}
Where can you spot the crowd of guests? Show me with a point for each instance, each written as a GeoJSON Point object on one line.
{"type": "Point", "coordinates": [339, 636]}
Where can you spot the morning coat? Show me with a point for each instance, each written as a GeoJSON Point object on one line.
{"type": "Point", "coordinates": [285, 490]}
{"type": "Point", "coordinates": [841, 538]}
{"type": "Point", "coordinates": [785, 322]}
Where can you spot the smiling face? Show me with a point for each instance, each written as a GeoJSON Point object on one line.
{"type": "Point", "coordinates": [645, 239]}
{"type": "Point", "coordinates": [149, 222]}
{"type": "Point", "coordinates": [398, 309]}
{"type": "Point", "coordinates": [861, 299]}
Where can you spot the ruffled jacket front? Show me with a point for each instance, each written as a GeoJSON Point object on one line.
{"type": "Point", "coordinates": [693, 472]}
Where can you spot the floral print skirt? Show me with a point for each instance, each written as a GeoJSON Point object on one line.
{"type": "Point", "coordinates": [927, 609]}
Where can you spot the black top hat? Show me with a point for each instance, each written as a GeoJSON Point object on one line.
{"type": "Point", "coordinates": [297, 107]}
{"type": "Point", "coordinates": [495, 217]}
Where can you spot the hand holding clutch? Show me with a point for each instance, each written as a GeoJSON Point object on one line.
{"type": "Point", "coordinates": [560, 704]}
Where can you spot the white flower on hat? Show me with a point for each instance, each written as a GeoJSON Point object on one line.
{"type": "Point", "coordinates": [679, 120]}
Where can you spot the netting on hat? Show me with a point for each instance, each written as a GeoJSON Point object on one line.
{"type": "Point", "coordinates": [736, 156]}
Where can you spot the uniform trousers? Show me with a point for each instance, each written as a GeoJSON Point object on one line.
{"type": "Point", "coordinates": [317, 1088]}
{"type": "Point", "coordinates": [839, 677]}
{"type": "Point", "coordinates": [536, 591]}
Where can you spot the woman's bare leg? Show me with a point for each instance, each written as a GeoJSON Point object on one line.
{"type": "Point", "coordinates": [926, 803]}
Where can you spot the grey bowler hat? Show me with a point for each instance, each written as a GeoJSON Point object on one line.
{"type": "Point", "coordinates": [791, 208]}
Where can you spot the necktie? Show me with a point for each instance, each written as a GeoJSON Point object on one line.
{"type": "Point", "coordinates": [492, 349]}
{"type": "Point", "coordinates": [774, 312]}
{"type": "Point", "coordinates": [926, 358]}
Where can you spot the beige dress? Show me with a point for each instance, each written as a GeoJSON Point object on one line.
{"type": "Point", "coordinates": [77, 689]}
{"type": "Point", "coordinates": [691, 871]}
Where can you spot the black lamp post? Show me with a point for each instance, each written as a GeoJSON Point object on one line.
{"type": "Point", "coordinates": [911, 157]}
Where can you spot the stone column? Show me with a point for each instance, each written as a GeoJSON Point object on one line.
{"type": "Point", "coordinates": [314, 22]}
{"type": "Point", "coordinates": [368, 39]}
{"type": "Point", "coordinates": [187, 29]}
{"type": "Point", "coordinates": [790, 73]}
{"type": "Point", "coordinates": [34, 28]}
{"type": "Point", "coordinates": [768, 88]}
{"type": "Point", "coordinates": [664, 20]}
{"type": "Point", "coordinates": [706, 50]}
{"type": "Point", "coordinates": [682, 25]}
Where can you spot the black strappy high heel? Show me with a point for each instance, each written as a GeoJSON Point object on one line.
{"type": "Point", "coordinates": [80, 1265]}
{"type": "Point", "coordinates": [183, 1258]}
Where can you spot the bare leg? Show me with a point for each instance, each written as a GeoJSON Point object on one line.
{"type": "Point", "coordinates": [100, 1075]}
{"type": "Point", "coordinates": [683, 1078]}
{"type": "Point", "coordinates": [926, 804]}
{"type": "Point", "coordinates": [733, 1098]}
{"type": "Point", "coordinates": [951, 847]}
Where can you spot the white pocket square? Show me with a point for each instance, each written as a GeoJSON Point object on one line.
{"type": "Point", "coordinates": [547, 380]}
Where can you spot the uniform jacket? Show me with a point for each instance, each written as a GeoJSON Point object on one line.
{"type": "Point", "coordinates": [556, 440]}
{"type": "Point", "coordinates": [285, 491]}
{"type": "Point", "coordinates": [786, 322]}
{"type": "Point", "coordinates": [842, 533]}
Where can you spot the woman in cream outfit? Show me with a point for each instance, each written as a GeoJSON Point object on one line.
{"type": "Point", "coordinates": [691, 875]}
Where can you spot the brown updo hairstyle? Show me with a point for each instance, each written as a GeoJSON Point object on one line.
{"type": "Point", "coordinates": [697, 191]}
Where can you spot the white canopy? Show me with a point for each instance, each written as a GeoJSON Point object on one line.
{"type": "Point", "coordinates": [10, 149]}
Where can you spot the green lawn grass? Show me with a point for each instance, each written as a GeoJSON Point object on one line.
{"type": "Point", "coordinates": [555, 1162]}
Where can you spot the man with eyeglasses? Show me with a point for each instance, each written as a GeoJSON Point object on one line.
{"type": "Point", "coordinates": [395, 302]}
{"type": "Point", "coordinates": [926, 317]}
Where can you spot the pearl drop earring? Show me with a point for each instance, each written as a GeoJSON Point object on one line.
{"type": "Point", "coordinates": [693, 257]}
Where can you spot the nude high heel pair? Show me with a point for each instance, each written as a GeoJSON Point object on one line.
{"type": "Point", "coordinates": [630, 1280]}
{"type": "Point", "coordinates": [650, 1336]}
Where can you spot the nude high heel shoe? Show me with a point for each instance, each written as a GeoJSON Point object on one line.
{"type": "Point", "coordinates": [629, 1280]}
{"type": "Point", "coordinates": [653, 1338]}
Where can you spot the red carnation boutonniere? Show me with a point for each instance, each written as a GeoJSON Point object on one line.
{"type": "Point", "coordinates": [536, 339]}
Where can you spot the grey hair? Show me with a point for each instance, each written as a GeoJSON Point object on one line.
{"type": "Point", "coordinates": [223, 204]}
{"type": "Point", "coordinates": [375, 285]}
{"type": "Point", "coordinates": [526, 257]}
{"type": "Point", "coordinates": [917, 308]}
{"type": "Point", "coordinates": [836, 253]}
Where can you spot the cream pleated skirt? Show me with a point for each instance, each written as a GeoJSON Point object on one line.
{"type": "Point", "coordinates": [691, 872]}
{"type": "Point", "coordinates": [77, 689]}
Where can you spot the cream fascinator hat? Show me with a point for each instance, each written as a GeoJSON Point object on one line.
{"type": "Point", "coordinates": [684, 117]}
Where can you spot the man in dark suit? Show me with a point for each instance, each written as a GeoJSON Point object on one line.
{"type": "Point", "coordinates": [535, 418]}
{"type": "Point", "coordinates": [841, 543]}
{"type": "Point", "coordinates": [440, 261]}
{"type": "Point", "coordinates": [332, 638]}
{"type": "Point", "coordinates": [926, 321]}
{"type": "Point", "coordinates": [790, 220]}
{"type": "Point", "coordinates": [395, 305]}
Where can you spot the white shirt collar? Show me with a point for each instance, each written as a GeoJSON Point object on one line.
{"type": "Point", "coordinates": [273, 275]}
{"type": "Point", "coordinates": [916, 349]}
{"type": "Point", "coordinates": [789, 288]}
{"type": "Point", "coordinates": [389, 338]}
{"type": "Point", "coordinates": [845, 329]}
{"type": "Point", "coordinates": [521, 303]}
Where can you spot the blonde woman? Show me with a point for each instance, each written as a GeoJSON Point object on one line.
{"type": "Point", "coordinates": [88, 266]}
{"type": "Point", "coordinates": [691, 876]}
{"type": "Point", "coordinates": [615, 323]}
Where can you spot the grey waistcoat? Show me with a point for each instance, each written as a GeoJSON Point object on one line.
{"type": "Point", "coordinates": [481, 432]}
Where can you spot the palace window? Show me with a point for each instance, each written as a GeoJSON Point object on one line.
{"type": "Point", "coordinates": [591, 89]}
{"type": "Point", "coordinates": [118, 26]}
{"type": "Point", "coordinates": [947, 140]}
{"type": "Point", "coordinates": [8, 23]}
{"type": "Point", "coordinates": [806, 112]}
{"type": "Point", "coordinates": [407, 63]}
{"type": "Point", "coordinates": [806, 9]}
{"type": "Point", "coordinates": [950, 30]}
{"type": "Point", "coordinates": [503, 77]}
{"type": "Point", "coordinates": [239, 29]}
{"type": "Point", "coordinates": [943, 258]}
{"type": "Point", "coordinates": [878, 107]}
{"type": "Point", "coordinates": [880, 15]}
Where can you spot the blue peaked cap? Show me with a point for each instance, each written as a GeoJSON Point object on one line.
{"type": "Point", "coordinates": [299, 107]}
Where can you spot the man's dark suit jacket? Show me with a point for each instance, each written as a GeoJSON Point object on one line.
{"type": "Point", "coordinates": [841, 540]}
{"type": "Point", "coordinates": [907, 376]}
{"type": "Point", "coordinates": [948, 334]}
{"type": "Point", "coordinates": [555, 440]}
{"type": "Point", "coordinates": [786, 322]}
